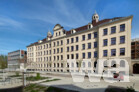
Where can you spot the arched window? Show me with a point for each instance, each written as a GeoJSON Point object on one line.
{"type": "Point", "coordinates": [113, 63]}
{"type": "Point", "coordinates": [57, 64]}
{"type": "Point", "coordinates": [61, 64]}
{"type": "Point", "coordinates": [122, 63]}
{"type": "Point", "coordinates": [95, 63]}
{"type": "Point", "coordinates": [89, 64]}
{"type": "Point", "coordinates": [72, 64]}
{"type": "Point", "coordinates": [77, 64]}
{"type": "Point", "coordinates": [83, 64]}
{"type": "Point", "coordinates": [105, 64]}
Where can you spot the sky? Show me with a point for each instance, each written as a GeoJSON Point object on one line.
{"type": "Point", "coordinates": [23, 22]}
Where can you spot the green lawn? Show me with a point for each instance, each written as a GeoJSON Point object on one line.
{"type": "Point", "coordinates": [34, 78]}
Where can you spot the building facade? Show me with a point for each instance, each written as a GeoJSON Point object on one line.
{"type": "Point", "coordinates": [16, 59]}
{"type": "Point", "coordinates": [135, 49]}
{"type": "Point", "coordinates": [135, 55]}
{"type": "Point", "coordinates": [100, 39]}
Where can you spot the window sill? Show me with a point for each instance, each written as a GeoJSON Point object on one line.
{"type": "Point", "coordinates": [113, 44]}
{"type": "Point", "coordinates": [105, 45]}
{"type": "Point", "coordinates": [113, 33]}
{"type": "Point", "coordinates": [122, 43]}
{"type": "Point", "coordinates": [105, 35]}
{"type": "Point", "coordinates": [121, 31]}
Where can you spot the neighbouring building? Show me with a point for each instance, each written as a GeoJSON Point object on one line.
{"type": "Point", "coordinates": [135, 55]}
{"type": "Point", "coordinates": [99, 39]}
{"type": "Point", "coordinates": [16, 60]}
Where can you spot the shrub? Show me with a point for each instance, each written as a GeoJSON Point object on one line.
{"type": "Point", "coordinates": [17, 73]}
{"type": "Point", "coordinates": [38, 76]}
{"type": "Point", "coordinates": [130, 89]}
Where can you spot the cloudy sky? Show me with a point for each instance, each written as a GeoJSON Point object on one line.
{"type": "Point", "coordinates": [25, 21]}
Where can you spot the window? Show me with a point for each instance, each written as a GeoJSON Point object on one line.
{"type": "Point", "coordinates": [59, 33]}
{"type": "Point", "coordinates": [72, 48]}
{"type": "Point", "coordinates": [95, 54]}
{"type": "Point", "coordinates": [83, 37]}
{"type": "Point", "coordinates": [89, 36]}
{"type": "Point", "coordinates": [56, 34]}
{"type": "Point", "coordinates": [113, 64]}
{"type": "Point", "coordinates": [89, 54]}
{"type": "Point", "coordinates": [122, 27]}
{"type": "Point", "coordinates": [105, 53]}
{"type": "Point", "coordinates": [50, 45]}
{"type": "Point", "coordinates": [105, 31]}
{"type": "Point", "coordinates": [122, 63]}
{"type": "Point", "coordinates": [77, 56]}
{"type": "Point", "coordinates": [89, 45]}
{"type": "Point", "coordinates": [113, 29]}
{"type": "Point", "coordinates": [105, 42]}
{"type": "Point", "coordinates": [95, 34]}
{"type": "Point", "coordinates": [122, 51]}
{"type": "Point", "coordinates": [61, 42]}
{"type": "Point", "coordinates": [77, 47]}
{"type": "Point", "coordinates": [57, 50]}
{"type": "Point", "coordinates": [122, 39]}
{"type": "Point", "coordinates": [89, 64]}
{"type": "Point", "coordinates": [83, 55]}
{"type": "Point", "coordinates": [61, 50]}
{"type": "Point", "coordinates": [72, 56]}
{"type": "Point", "coordinates": [83, 46]}
{"type": "Point", "coordinates": [57, 57]}
{"type": "Point", "coordinates": [54, 51]}
{"type": "Point", "coordinates": [72, 40]}
{"type": "Point", "coordinates": [77, 39]}
{"type": "Point", "coordinates": [44, 46]}
{"type": "Point", "coordinates": [113, 52]}
{"type": "Point", "coordinates": [50, 51]}
{"type": "Point", "coordinates": [61, 57]}
{"type": "Point", "coordinates": [67, 41]}
{"type": "Point", "coordinates": [95, 64]}
{"type": "Point", "coordinates": [67, 56]}
{"type": "Point", "coordinates": [113, 41]}
{"type": "Point", "coordinates": [67, 49]}
{"type": "Point", "coordinates": [54, 44]}
{"type": "Point", "coordinates": [54, 58]}
{"type": "Point", "coordinates": [95, 44]}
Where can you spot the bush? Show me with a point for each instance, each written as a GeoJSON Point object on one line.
{"type": "Point", "coordinates": [17, 73]}
{"type": "Point", "coordinates": [130, 89]}
{"type": "Point", "coordinates": [38, 76]}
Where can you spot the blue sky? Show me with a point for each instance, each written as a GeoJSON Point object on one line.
{"type": "Point", "coordinates": [26, 21]}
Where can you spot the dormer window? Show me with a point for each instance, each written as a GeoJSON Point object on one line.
{"type": "Point", "coordinates": [73, 31]}
{"type": "Point", "coordinates": [90, 26]}
{"type": "Point", "coordinates": [40, 41]}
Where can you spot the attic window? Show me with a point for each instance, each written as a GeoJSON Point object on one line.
{"type": "Point", "coordinates": [89, 26]}
{"type": "Point", "coordinates": [40, 41]}
{"type": "Point", "coordinates": [73, 31]}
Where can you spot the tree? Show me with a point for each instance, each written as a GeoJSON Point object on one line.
{"type": "Point", "coordinates": [3, 61]}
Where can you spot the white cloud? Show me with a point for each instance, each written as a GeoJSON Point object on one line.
{"type": "Point", "coordinates": [63, 12]}
{"type": "Point", "coordinates": [6, 21]}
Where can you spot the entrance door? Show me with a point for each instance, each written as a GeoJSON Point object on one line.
{"type": "Point", "coordinates": [136, 68]}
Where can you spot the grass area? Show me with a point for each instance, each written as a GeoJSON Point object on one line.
{"type": "Point", "coordinates": [51, 80]}
{"type": "Point", "coordinates": [39, 88]}
{"type": "Point", "coordinates": [34, 78]}
{"type": "Point", "coordinates": [15, 76]}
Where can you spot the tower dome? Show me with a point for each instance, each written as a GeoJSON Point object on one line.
{"type": "Point", "coordinates": [95, 17]}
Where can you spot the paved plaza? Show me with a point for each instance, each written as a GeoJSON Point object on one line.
{"type": "Point", "coordinates": [87, 86]}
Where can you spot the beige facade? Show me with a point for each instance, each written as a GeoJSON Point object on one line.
{"type": "Point", "coordinates": [86, 42]}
